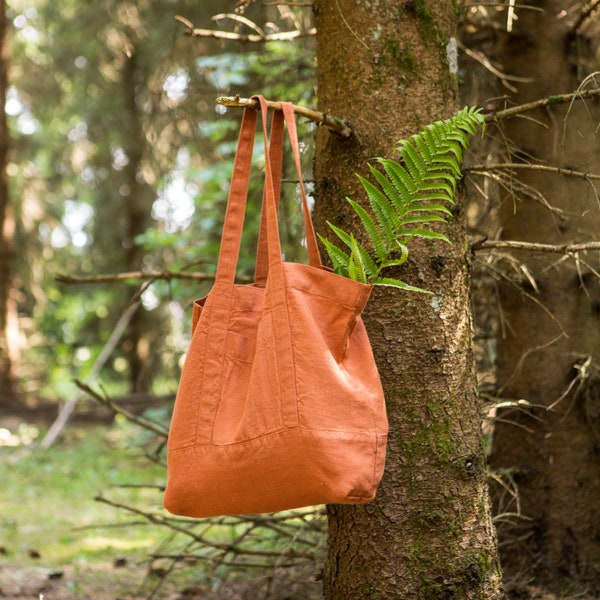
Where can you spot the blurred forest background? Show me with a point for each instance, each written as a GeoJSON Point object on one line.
{"type": "Point", "coordinates": [115, 163]}
{"type": "Point", "coordinates": [119, 162]}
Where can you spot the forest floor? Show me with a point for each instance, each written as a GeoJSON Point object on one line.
{"type": "Point", "coordinates": [58, 543]}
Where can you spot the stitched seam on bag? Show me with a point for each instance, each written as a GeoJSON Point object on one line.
{"type": "Point", "coordinates": [206, 310]}
{"type": "Point", "coordinates": [290, 348]}
{"type": "Point", "coordinates": [383, 439]}
{"type": "Point", "coordinates": [273, 434]}
{"type": "Point", "coordinates": [351, 307]}
{"type": "Point", "coordinates": [221, 378]}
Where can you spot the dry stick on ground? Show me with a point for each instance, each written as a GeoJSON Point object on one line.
{"type": "Point", "coordinates": [178, 526]}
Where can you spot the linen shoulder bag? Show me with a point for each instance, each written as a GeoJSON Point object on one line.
{"type": "Point", "coordinates": [279, 404]}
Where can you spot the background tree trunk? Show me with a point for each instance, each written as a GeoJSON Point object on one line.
{"type": "Point", "coordinates": [137, 211]}
{"type": "Point", "coordinates": [429, 533]}
{"type": "Point", "coordinates": [551, 458]}
{"type": "Point", "coordinates": [7, 308]}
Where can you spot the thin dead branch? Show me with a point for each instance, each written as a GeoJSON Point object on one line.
{"type": "Point", "coordinates": [483, 169]}
{"type": "Point", "coordinates": [585, 14]}
{"type": "Point", "coordinates": [516, 111]}
{"type": "Point", "coordinates": [70, 405]}
{"type": "Point", "coordinates": [261, 37]}
{"type": "Point", "coordinates": [141, 421]}
{"type": "Point", "coordinates": [484, 61]}
{"type": "Point", "coordinates": [141, 275]}
{"type": "Point", "coordinates": [517, 189]}
{"type": "Point", "coordinates": [285, 544]}
{"type": "Point", "coordinates": [569, 249]}
{"type": "Point", "coordinates": [499, 275]}
{"type": "Point", "coordinates": [525, 355]}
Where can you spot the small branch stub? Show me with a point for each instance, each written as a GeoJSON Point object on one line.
{"type": "Point", "coordinates": [338, 125]}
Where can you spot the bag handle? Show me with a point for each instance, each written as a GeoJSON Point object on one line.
{"type": "Point", "coordinates": [314, 258]}
{"type": "Point", "coordinates": [236, 205]}
{"type": "Point", "coordinates": [276, 157]}
{"type": "Point", "coordinates": [236, 201]}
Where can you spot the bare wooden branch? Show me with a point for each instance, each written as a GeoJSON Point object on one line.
{"type": "Point", "coordinates": [70, 405]}
{"type": "Point", "coordinates": [569, 249]}
{"type": "Point", "coordinates": [479, 169]}
{"type": "Point", "coordinates": [340, 126]}
{"type": "Point", "coordinates": [585, 15]}
{"type": "Point", "coordinates": [498, 115]}
{"type": "Point", "coordinates": [483, 60]}
{"type": "Point", "coordinates": [244, 37]}
{"type": "Point", "coordinates": [148, 424]}
{"type": "Point", "coordinates": [291, 3]}
{"type": "Point", "coordinates": [140, 275]}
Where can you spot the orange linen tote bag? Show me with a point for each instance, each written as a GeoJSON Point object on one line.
{"type": "Point", "coordinates": [280, 403]}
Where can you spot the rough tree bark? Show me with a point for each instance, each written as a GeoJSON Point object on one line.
{"type": "Point", "coordinates": [553, 457]}
{"type": "Point", "coordinates": [428, 535]}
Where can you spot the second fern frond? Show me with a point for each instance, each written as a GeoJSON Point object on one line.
{"type": "Point", "coordinates": [405, 199]}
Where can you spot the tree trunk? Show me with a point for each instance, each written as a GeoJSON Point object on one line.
{"type": "Point", "coordinates": [428, 534]}
{"type": "Point", "coordinates": [7, 342]}
{"type": "Point", "coordinates": [137, 210]}
{"type": "Point", "coordinates": [552, 457]}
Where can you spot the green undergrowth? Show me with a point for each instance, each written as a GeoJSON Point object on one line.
{"type": "Point", "coordinates": [50, 520]}
{"type": "Point", "coordinates": [47, 497]}
{"type": "Point", "coordinates": [116, 548]}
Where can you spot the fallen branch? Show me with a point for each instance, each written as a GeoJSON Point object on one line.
{"type": "Point", "coordinates": [340, 126]}
{"type": "Point", "coordinates": [234, 547]}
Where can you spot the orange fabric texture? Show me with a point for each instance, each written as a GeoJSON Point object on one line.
{"type": "Point", "coordinates": [279, 404]}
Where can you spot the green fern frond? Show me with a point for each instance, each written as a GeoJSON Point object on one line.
{"type": "Point", "coordinates": [399, 284]}
{"type": "Point", "coordinates": [339, 258]}
{"type": "Point", "coordinates": [405, 197]}
{"type": "Point", "coordinates": [375, 235]}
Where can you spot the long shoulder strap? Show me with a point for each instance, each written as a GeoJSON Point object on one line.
{"type": "Point", "coordinates": [276, 158]}
{"type": "Point", "coordinates": [269, 247]}
{"type": "Point", "coordinates": [236, 202]}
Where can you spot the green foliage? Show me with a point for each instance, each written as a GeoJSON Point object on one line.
{"type": "Point", "coordinates": [406, 198]}
{"type": "Point", "coordinates": [121, 163]}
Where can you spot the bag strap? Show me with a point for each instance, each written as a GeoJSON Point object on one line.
{"type": "Point", "coordinates": [314, 258]}
{"type": "Point", "coordinates": [269, 247]}
{"type": "Point", "coordinates": [276, 157]}
{"type": "Point", "coordinates": [236, 202]}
